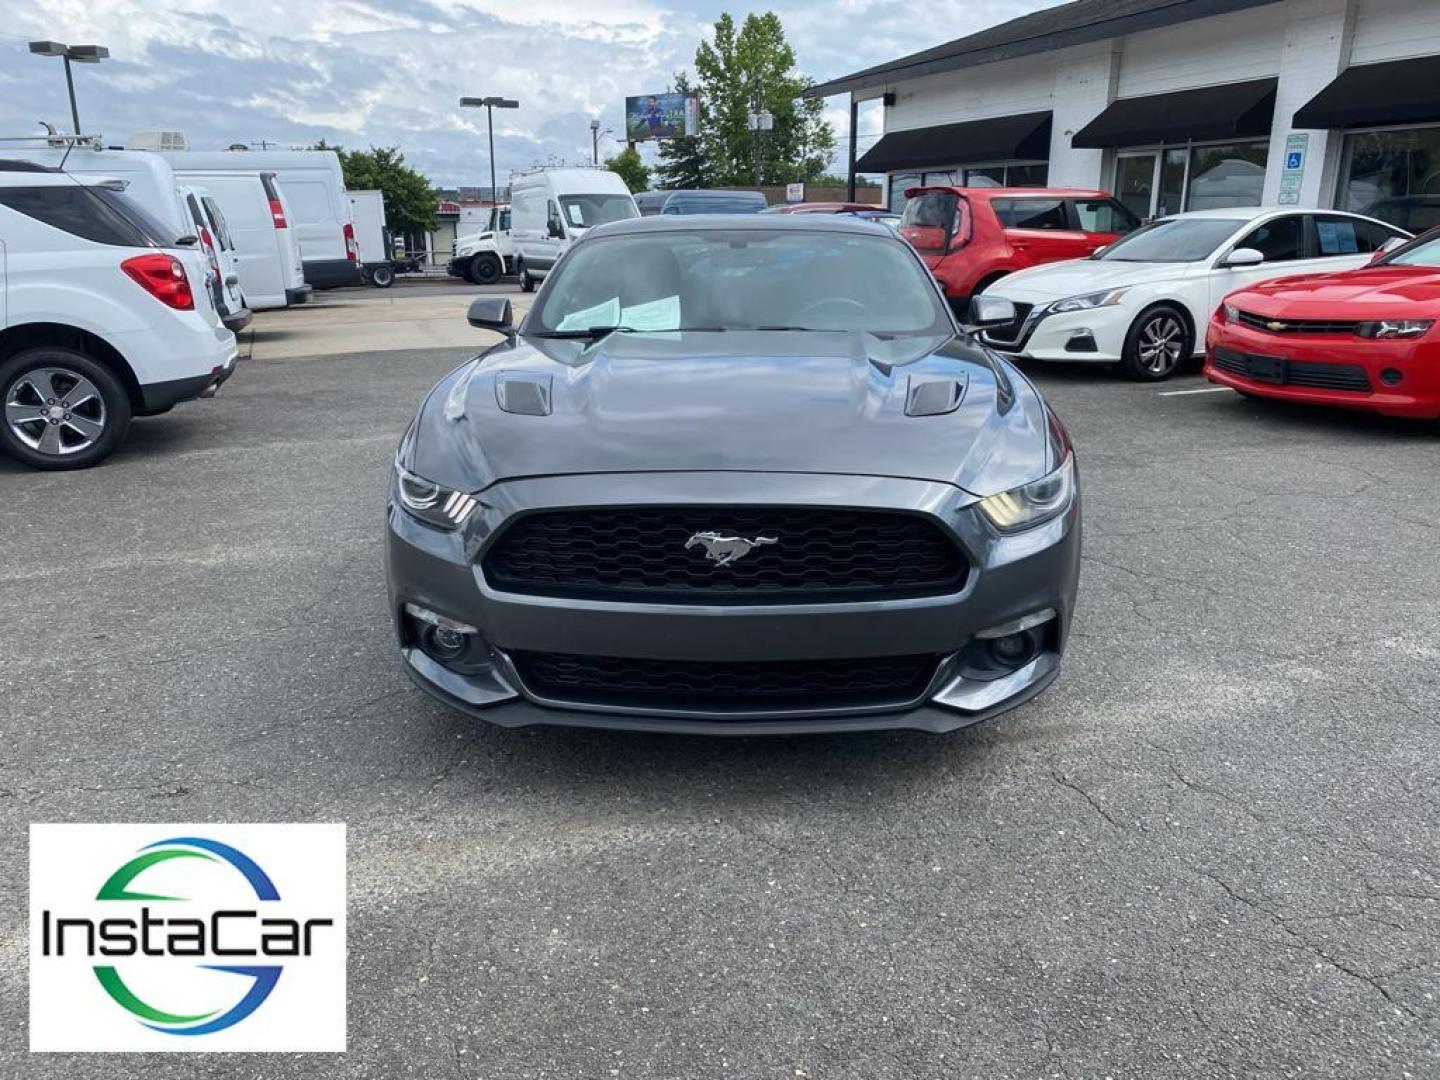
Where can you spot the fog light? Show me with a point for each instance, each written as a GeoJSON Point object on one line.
{"type": "Point", "coordinates": [1013, 650]}
{"type": "Point", "coordinates": [443, 644]}
{"type": "Point", "coordinates": [1390, 376]}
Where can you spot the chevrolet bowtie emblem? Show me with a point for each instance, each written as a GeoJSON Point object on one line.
{"type": "Point", "coordinates": [1275, 327]}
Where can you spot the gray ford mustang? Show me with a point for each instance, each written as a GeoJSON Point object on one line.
{"type": "Point", "coordinates": [734, 476]}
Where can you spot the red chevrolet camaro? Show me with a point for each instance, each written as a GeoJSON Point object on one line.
{"type": "Point", "coordinates": [1363, 339]}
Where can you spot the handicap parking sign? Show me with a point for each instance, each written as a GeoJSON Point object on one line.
{"type": "Point", "coordinates": [1294, 159]}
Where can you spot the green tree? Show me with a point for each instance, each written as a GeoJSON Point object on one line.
{"type": "Point", "coordinates": [409, 198]}
{"type": "Point", "coordinates": [749, 66]}
{"type": "Point", "coordinates": [631, 169]}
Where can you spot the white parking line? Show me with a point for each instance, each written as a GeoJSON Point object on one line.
{"type": "Point", "coordinates": [1202, 390]}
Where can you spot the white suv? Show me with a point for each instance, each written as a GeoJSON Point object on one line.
{"type": "Point", "coordinates": [103, 316]}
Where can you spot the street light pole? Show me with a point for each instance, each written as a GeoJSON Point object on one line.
{"type": "Point", "coordinates": [490, 104]}
{"type": "Point", "coordinates": [81, 54]}
{"type": "Point", "coordinates": [594, 142]}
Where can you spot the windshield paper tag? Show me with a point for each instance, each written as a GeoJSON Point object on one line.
{"type": "Point", "coordinates": [663, 314]}
{"type": "Point", "coordinates": [603, 314]}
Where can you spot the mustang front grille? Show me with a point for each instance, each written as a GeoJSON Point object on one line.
{"type": "Point", "coordinates": [704, 686]}
{"type": "Point", "coordinates": [725, 555]}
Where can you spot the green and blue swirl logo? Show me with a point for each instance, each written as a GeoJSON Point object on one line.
{"type": "Point", "coordinates": [262, 977]}
{"type": "Point", "coordinates": [243, 942]}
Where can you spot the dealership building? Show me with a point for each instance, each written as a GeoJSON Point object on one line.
{"type": "Point", "coordinates": [1176, 105]}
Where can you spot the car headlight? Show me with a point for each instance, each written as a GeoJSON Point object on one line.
{"type": "Point", "coordinates": [1034, 503]}
{"type": "Point", "coordinates": [1108, 298]}
{"type": "Point", "coordinates": [433, 504]}
{"type": "Point", "coordinates": [1230, 313]}
{"type": "Point", "coordinates": [1394, 328]}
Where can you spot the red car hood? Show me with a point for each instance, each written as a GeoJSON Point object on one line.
{"type": "Point", "coordinates": [1370, 292]}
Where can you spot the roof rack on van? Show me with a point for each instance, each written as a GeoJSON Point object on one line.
{"type": "Point", "coordinates": [57, 139]}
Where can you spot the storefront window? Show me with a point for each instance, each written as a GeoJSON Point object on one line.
{"type": "Point", "coordinates": [1231, 175]}
{"type": "Point", "coordinates": [1027, 175]}
{"type": "Point", "coordinates": [978, 176]}
{"type": "Point", "coordinates": [1394, 175]}
{"type": "Point", "coordinates": [1171, 198]}
{"type": "Point", "coordinates": [898, 183]}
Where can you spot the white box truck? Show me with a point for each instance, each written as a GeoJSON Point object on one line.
{"type": "Point", "coordinates": [483, 248]}
{"type": "Point", "coordinates": [372, 238]}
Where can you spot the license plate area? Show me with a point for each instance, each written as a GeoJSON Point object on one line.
{"type": "Point", "coordinates": [1270, 369]}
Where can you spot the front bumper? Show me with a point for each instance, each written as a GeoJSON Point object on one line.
{"type": "Point", "coordinates": [1402, 377]}
{"type": "Point", "coordinates": [1010, 578]}
{"type": "Point", "coordinates": [1097, 334]}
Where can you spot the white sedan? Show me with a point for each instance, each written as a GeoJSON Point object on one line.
{"type": "Point", "coordinates": [1144, 301]}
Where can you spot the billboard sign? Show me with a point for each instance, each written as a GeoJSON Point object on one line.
{"type": "Point", "coordinates": [661, 116]}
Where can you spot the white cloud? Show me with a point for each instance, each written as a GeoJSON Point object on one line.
{"type": "Point", "coordinates": [390, 72]}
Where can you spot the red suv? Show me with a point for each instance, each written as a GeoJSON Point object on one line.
{"type": "Point", "coordinates": [969, 237]}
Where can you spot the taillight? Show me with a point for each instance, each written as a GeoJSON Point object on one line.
{"type": "Point", "coordinates": [277, 213]}
{"type": "Point", "coordinates": [210, 251]}
{"type": "Point", "coordinates": [163, 277]}
{"type": "Point", "coordinates": [351, 251]}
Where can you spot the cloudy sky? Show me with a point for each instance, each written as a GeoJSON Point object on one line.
{"type": "Point", "coordinates": [389, 72]}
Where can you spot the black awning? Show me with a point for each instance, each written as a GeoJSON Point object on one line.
{"type": "Point", "coordinates": [1235, 110]}
{"type": "Point", "coordinates": [1396, 92]}
{"type": "Point", "coordinates": [1025, 137]}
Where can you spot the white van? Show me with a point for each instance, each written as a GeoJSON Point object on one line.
{"type": "Point", "coordinates": [266, 251]}
{"type": "Point", "coordinates": [314, 188]}
{"type": "Point", "coordinates": [551, 208]}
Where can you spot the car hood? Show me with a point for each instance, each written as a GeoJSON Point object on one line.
{"type": "Point", "coordinates": [1075, 277]}
{"type": "Point", "coordinates": [737, 401]}
{"type": "Point", "coordinates": [1373, 291]}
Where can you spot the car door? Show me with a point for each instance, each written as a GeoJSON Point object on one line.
{"type": "Point", "coordinates": [1040, 230]}
{"type": "Point", "coordinates": [1284, 242]}
{"type": "Point", "coordinates": [1341, 242]}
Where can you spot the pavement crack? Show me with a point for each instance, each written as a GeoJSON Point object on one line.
{"type": "Point", "coordinates": [1065, 782]}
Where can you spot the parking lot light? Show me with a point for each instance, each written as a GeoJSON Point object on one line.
{"type": "Point", "coordinates": [80, 54]}
{"type": "Point", "coordinates": [490, 104]}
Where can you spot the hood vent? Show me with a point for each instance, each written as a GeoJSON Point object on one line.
{"type": "Point", "coordinates": [933, 395]}
{"type": "Point", "coordinates": [523, 393]}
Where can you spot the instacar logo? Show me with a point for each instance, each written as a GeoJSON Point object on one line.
{"type": "Point", "coordinates": [188, 943]}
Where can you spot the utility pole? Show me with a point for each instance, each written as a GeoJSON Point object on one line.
{"type": "Point", "coordinates": [760, 121]}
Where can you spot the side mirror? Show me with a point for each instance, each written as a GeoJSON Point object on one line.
{"type": "Point", "coordinates": [989, 311]}
{"type": "Point", "coordinates": [492, 313]}
{"type": "Point", "coordinates": [555, 231]}
{"type": "Point", "coordinates": [1242, 257]}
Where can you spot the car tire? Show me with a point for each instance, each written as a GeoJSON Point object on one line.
{"type": "Point", "coordinates": [486, 268]}
{"type": "Point", "coordinates": [527, 283]}
{"type": "Point", "coordinates": [382, 277]}
{"type": "Point", "coordinates": [1158, 344]}
{"type": "Point", "coordinates": [41, 380]}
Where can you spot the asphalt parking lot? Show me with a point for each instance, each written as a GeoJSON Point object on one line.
{"type": "Point", "coordinates": [1211, 849]}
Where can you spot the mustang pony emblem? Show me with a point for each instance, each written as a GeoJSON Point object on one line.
{"type": "Point", "coordinates": [722, 550]}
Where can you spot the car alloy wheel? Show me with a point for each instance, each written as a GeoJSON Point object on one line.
{"type": "Point", "coordinates": [55, 411]}
{"type": "Point", "coordinates": [63, 409]}
{"type": "Point", "coordinates": [1157, 345]}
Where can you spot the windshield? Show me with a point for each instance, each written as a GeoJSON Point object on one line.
{"type": "Point", "coordinates": [1424, 253]}
{"type": "Point", "coordinates": [587, 211]}
{"type": "Point", "coordinates": [730, 279]}
{"type": "Point", "coordinates": [1173, 240]}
